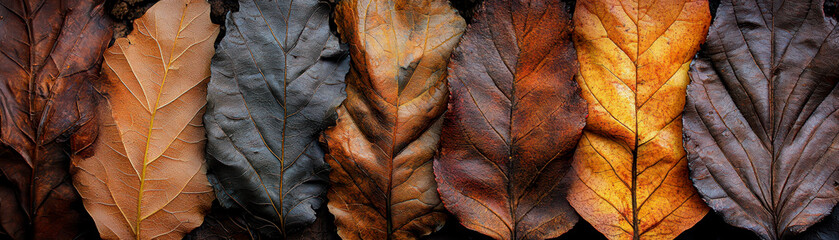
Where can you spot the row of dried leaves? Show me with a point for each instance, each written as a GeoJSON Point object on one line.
{"type": "Point", "coordinates": [550, 115]}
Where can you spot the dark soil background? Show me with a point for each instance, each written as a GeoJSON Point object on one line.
{"type": "Point", "coordinates": [225, 225]}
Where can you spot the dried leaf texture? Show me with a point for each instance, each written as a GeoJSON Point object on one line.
{"type": "Point", "coordinates": [51, 55]}
{"type": "Point", "coordinates": [514, 118]}
{"type": "Point", "coordinates": [277, 78]}
{"type": "Point", "coordinates": [827, 229]}
{"type": "Point", "coordinates": [147, 177]}
{"type": "Point", "coordinates": [388, 129]}
{"type": "Point", "coordinates": [630, 176]}
{"type": "Point", "coordinates": [761, 119]}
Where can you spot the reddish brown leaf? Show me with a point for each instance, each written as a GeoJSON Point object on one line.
{"type": "Point", "coordinates": [515, 116]}
{"type": "Point", "coordinates": [51, 53]}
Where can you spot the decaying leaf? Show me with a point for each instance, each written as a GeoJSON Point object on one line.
{"type": "Point", "coordinates": [762, 116]}
{"type": "Point", "coordinates": [146, 178]}
{"type": "Point", "coordinates": [388, 128]}
{"type": "Point", "coordinates": [514, 119]}
{"type": "Point", "coordinates": [630, 176]}
{"type": "Point", "coordinates": [50, 54]}
{"type": "Point", "coordinates": [269, 97]}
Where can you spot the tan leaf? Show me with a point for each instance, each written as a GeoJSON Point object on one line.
{"type": "Point", "coordinates": [147, 178]}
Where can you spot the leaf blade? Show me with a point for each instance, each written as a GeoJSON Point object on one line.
{"type": "Point", "coordinates": [778, 102]}
{"type": "Point", "coordinates": [630, 174]}
{"type": "Point", "coordinates": [382, 183]}
{"type": "Point", "coordinates": [277, 79]}
{"type": "Point", "coordinates": [504, 152]}
{"type": "Point", "coordinates": [49, 65]}
{"type": "Point", "coordinates": [147, 176]}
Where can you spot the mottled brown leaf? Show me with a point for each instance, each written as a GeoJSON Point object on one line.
{"type": "Point", "coordinates": [515, 116]}
{"type": "Point", "coordinates": [388, 129]}
{"type": "Point", "coordinates": [630, 176]}
{"type": "Point", "coordinates": [762, 115]}
{"type": "Point", "coordinates": [147, 177]}
{"type": "Point", "coordinates": [50, 54]}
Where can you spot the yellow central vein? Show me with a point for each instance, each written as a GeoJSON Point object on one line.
{"type": "Point", "coordinates": [285, 116]}
{"type": "Point", "coordinates": [151, 127]}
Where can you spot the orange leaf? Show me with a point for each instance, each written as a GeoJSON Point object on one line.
{"type": "Point", "coordinates": [147, 176]}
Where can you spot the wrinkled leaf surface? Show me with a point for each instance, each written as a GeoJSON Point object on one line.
{"type": "Point", "coordinates": [827, 229]}
{"type": "Point", "coordinates": [51, 55]}
{"type": "Point", "coordinates": [514, 118]}
{"type": "Point", "coordinates": [388, 128]}
{"type": "Point", "coordinates": [277, 78]}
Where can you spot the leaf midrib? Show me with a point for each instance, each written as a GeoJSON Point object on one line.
{"type": "Point", "coordinates": [146, 162]}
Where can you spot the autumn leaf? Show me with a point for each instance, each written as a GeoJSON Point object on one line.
{"type": "Point", "coordinates": [147, 178]}
{"type": "Point", "coordinates": [388, 128]}
{"type": "Point", "coordinates": [504, 150]}
{"type": "Point", "coordinates": [630, 176]}
{"type": "Point", "coordinates": [51, 54]}
{"type": "Point", "coordinates": [761, 116]}
{"type": "Point", "coordinates": [277, 78]}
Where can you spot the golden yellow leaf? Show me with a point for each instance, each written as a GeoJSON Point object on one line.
{"type": "Point", "coordinates": [630, 176]}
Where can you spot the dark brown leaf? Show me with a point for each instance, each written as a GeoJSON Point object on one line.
{"type": "Point", "coordinates": [51, 53]}
{"type": "Point", "coordinates": [515, 116]}
{"type": "Point", "coordinates": [762, 115]}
